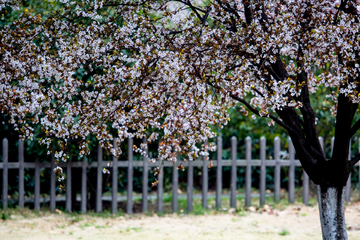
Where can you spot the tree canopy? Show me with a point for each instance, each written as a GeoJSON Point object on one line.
{"type": "Point", "coordinates": [171, 69]}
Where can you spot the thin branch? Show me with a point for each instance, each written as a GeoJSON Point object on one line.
{"type": "Point", "coordinates": [337, 13]}
{"type": "Point", "coordinates": [354, 128]}
{"type": "Point", "coordinates": [192, 7]}
{"type": "Point", "coordinates": [187, 4]}
{"type": "Point", "coordinates": [254, 110]}
{"type": "Point", "coordinates": [248, 14]}
{"type": "Point", "coordinates": [228, 8]}
{"type": "Point", "coordinates": [273, 73]}
{"type": "Point", "coordinates": [354, 160]}
{"type": "Point", "coordinates": [204, 21]}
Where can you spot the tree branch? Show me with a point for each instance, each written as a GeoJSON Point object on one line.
{"type": "Point", "coordinates": [248, 14]}
{"type": "Point", "coordinates": [254, 110]}
{"type": "Point", "coordinates": [354, 128]}
{"type": "Point", "coordinates": [204, 21]}
{"type": "Point", "coordinates": [354, 160]}
{"type": "Point", "coordinates": [192, 7]}
{"type": "Point", "coordinates": [343, 128]}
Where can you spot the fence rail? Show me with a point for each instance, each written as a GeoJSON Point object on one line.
{"type": "Point", "coordinates": [219, 163]}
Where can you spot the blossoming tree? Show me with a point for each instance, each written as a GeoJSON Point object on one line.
{"type": "Point", "coordinates": [170, 69]}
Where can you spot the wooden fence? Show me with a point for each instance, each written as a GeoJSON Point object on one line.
{"type": "Point", "coordinates": [248, 162]}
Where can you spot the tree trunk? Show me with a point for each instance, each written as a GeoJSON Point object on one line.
{"type": "Point", "coordinates": [331, 210]}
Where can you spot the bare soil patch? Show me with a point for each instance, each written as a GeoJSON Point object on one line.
{"type": "Point", "coordinates": [293, 222]}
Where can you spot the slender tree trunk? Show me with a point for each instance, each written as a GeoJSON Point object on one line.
{"type": "Point", "coordinates": [331, 210]}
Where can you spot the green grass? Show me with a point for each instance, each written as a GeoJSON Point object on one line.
{"type": "Point", "coordinates": [87, 225]}
{"type": "Point", "coordinates": [134, 229]}
{"type": "Point", "coordinates": [241, 213]}
{"type": "Point", "coordinates": [5, 216]}
{"type": "Point", "coordinates": [105, 214]}
{"type": "Point", "coordinates": [76, 218]}
{"type": "Point", "coordinates": [60, 226]}
{"type": "Point", "coordinates": [197, 207]}
{"type": "Point", "coordinates": [284, 232]}
{"type": "Point", "coordinates": [128, 229]}
{"type": "Point", "coordinates": [240, 210]}
{"type": "Point", "coordinates": [255, 223]}
{"type": "Point", "coordinates": [21, 213]}
{"type": "Point", "coordinates": [98, 226]}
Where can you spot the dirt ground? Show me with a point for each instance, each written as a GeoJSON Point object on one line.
{"type": "Point", "coordinates": [293, 222]}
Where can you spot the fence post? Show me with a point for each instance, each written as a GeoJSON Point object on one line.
{"type": "Point", "coordinates": [5, 156]}
{"type": "Point", "coordinates": [52, 182]}
{"type": "Point", "coordinates": [321, 141]}
{"type": "Point", "coordinates": [84, 196]}
{"type": "Point", "coordinates": [190, 183]}
{"type": "Point", "coordinates": [348, 189]}
{"type": "Point", "coordinates": [37, 185]}
{"type": "Point", "coordinates": [99, 178]}
{"type": "Point", "coordinates": [262, 170]}
{"type": "Point", "coordinates": [233, 172]}
{"type": "Point", "coordinates": [348, 183]}
{"type": "Point", "coordinates": [277, 169]}
{"type": "Point", "coordinates": [145, 179]}
{"type": "Point", "coordinates": [68, 186]}
{"type": "Point", "coordinates": [21, 173]}
{"type": "Point", "coordinates": [306, 180]}
{"type": "Point", "coordinates": [175, 185]}
{"type": "Point", "coordinates": [305, 188]}
{"type": "Point", "coordinates": [219, 173]}
{"type": "Point", "coordinates": [114, 204]}
{"type": "Point", "coordinates": [205, 179]}
{"type": "Point", "coordinates": [291, 172]}
{"type": "Point", "coordinates": [160, 190]}
{"type": "Point", "coordinates": [248, 172]}
{"type": "Point", "coordinates": [129, 204]}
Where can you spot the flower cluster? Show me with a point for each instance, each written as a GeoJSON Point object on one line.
{"type": "Point", "coordinates": [159, 70]}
